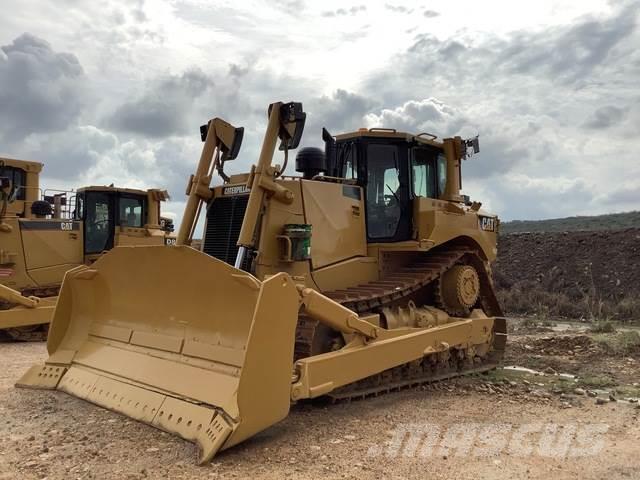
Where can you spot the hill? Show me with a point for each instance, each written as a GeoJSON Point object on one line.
{"type": "Point", "coordinates": [610, 221]}
{"type": "Point", "coordinates": [588, 274]}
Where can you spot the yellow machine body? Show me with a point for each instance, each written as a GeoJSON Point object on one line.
{"type": "Point", "coordinates": [43, 234]}
{"type": "Point", "coordinates": [296, 292]}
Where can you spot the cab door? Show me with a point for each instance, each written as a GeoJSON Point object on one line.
{"type": "Point", "coordinates": [388, 202]}
{"type": "Point", "coordinates": [99, 225]}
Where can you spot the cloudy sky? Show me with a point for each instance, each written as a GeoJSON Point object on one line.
{"type": "Point", "coordinates": [115, 90]}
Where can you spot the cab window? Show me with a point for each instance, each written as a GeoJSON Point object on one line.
{"type": "Point", "coordinates": [17, 178]}
{"type": "Point", "coordinates": [429, 171]}
{"type": "Point", "coordinates": [384, 209]}
{"type": "Point", "coordinates": [424, 173]}
{"type": "Point", "coordinates": [98, 223]}
{"type": "Point", "coordinates": [442, 174]}
{"type": "Point", "coordinates": [78, 212]}
{"type": "Point", "coordinates": [131, 212]}
{"type": "Point", "coordinates": [348, 159]}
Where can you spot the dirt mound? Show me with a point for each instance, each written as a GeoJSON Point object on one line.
{"type": "Point", "coordinates": [580, 273]}
{"type": "Point", "coordinates": [582, 345]}
{"type": "Point", "coordinates": [608, 221]}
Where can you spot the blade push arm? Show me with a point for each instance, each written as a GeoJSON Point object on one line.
{"type": "Point", "coordinates": [12, 296]}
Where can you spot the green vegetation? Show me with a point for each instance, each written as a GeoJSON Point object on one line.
{"type": "Point", "coordinates": [622, 343]}
{"type": "Point", "coordinates": [531, 299]}
{"type": "Point", "coordinates": [603, 326]}
{"type": "Point", "coordinates": [596, 381]}
{"type": "Point", "coordinates": [611, 221]}
{"type": "Point", "coordinates": [555, 383]}
{"type": "Point", "coordinates": [628, 391]}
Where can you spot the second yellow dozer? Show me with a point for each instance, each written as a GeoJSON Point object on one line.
{"type": "Point", "coordinates": [369, 272]}
{"type": "Point", "coordinates": [46, 232]}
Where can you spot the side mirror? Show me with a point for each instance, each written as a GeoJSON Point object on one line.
{"type": "Point", "coordinates": [473, 143]}
{"type": "Point", "coordinates": [462, 147]}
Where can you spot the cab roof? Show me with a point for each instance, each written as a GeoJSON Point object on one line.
{"type": "Point", "coordinates": [26, 165]}
{"type": "Point", "coordinates": [425, 138]}
{"type": "Point", "coordinates": [161, 194]}
{"type": "Point", "coordinates": [104, 188]}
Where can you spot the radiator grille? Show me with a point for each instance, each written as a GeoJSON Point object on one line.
{"type": "Point", "coordinates": [224, 220]}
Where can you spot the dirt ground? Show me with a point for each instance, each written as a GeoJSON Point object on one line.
{"type": "Point", "coordinates": [52, 435]}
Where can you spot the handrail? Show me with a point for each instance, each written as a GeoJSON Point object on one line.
{"type": "Point", "coordinates": [381, 129]}
{"type": "Point", "coordinates": [431, 135]}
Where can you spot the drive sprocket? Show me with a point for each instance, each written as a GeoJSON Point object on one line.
{"type": "Point", "coordinates": [458, 290]}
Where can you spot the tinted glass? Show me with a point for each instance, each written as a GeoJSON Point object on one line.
{"type": "Point", "coordinates": [130, 212]}
{"type": "Point", "coordinates": [349, 162]}
{"type": "Point", "coordinates": [383, 191]}
{"type": "Point", "coordinates": [423, 169]}
{"type": "Point", "coordinates": [97, 223]}
{"type": "Point", "coordinates": [78, 213]}
{"type": "Point", "coordinates": [17, 178]}
{"type": "Point", "coordinates": [442, 174]}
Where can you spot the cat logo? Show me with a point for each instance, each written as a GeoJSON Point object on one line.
{"type": "Point", "coordinates": [487, 223]}
{"type": "Point", "coordinates": [236, 190]}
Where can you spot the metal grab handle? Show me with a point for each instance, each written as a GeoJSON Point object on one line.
{"type": "Point", "coordinates": [288, 247]}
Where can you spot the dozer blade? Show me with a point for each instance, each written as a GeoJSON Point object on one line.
{"type": "Point", "coordinates": [176, 339]}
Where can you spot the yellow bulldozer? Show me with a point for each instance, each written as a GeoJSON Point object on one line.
{"type": "Point", "coordinates": [43, 234]}
{"type": "Point", "coordinates": [368, 272]}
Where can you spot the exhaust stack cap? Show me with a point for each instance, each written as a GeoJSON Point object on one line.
{"type": "Point", "coordinates": [311, 161]}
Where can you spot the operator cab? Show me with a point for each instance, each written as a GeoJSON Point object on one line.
{"type": "Point", "coordinates": [13, 186]}
{"type": "Point", "coordinates": [103, 210]}
{"type": "Point", "coordinates": [393, 169]}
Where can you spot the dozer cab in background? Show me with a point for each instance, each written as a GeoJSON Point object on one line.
{"type": "Point", "coordinates": [368, 273]}
{"type": "Point", "coordinates": [45, 234]}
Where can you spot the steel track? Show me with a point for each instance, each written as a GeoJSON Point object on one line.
{"type": "Point", "coordinates": [395, 288]}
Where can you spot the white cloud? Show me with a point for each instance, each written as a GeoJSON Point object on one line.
{"type": "Point", "coordinates": [116, 90]}
{"type": "Point", "coordinates": [428, 115]}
